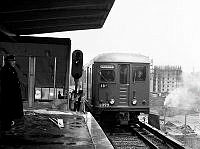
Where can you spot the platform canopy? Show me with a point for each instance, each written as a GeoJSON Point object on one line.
{"type": "Point", "coordinates": [25, 17]}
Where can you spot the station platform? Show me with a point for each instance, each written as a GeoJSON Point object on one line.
{"type": "Point", "coordinates": [38, 130]}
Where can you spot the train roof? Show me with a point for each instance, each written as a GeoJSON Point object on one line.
{"type": "Point", "coordinates": [121, 57]}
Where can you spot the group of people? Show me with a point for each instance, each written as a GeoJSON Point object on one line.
{"type": "Point", "coordinates": [11, 105]}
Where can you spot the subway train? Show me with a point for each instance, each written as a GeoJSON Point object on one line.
{"type": "Point", "coordinates": [116, 86]}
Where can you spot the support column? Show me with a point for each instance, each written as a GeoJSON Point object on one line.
{"type": "Point", "coordinates": [31, 82]}
{"type": "Point", "coordinates": [54, 79]}
{"type": "Point", "coordinates": [66, 89]}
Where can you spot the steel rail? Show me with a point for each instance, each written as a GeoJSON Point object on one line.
{"type": "Point", "coordinates": [167, 139]}
{"type": "Point", "coordinates": [145, 139]}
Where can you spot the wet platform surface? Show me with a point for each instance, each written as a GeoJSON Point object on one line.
{"type": "Point", "coordinates": [37, 131]}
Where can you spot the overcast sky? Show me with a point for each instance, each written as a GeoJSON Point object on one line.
{"type": "Point", "coordinates": [168, 31]}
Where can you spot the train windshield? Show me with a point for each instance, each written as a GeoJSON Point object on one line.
{"type": "Point", "coordinates": [107, 75]}
{"type": "Point", "coordinates": [124, 73]}
{"type": "Point", "coordinates": [139, 73]}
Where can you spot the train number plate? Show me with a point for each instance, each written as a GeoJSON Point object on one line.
{"type": "Point", "coordinates": [104, 105]}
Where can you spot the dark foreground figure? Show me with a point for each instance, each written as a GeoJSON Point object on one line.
{"type": "Point", "coordinates": [11, 106]}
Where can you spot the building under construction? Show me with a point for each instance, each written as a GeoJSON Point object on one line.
{"type": "Point", "coordinates": [166, 78]}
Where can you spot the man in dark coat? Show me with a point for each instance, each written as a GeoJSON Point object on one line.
{"type": "Point", "coordinates": [11, 106]}
{"type": "Point", "coordinates": [77, 103]}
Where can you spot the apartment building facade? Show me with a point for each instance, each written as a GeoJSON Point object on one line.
{"type": "Point", "coordinates": [166, 78]}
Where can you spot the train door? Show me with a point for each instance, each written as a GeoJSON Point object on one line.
{"type": "Point", "coordinates": [124, 83]}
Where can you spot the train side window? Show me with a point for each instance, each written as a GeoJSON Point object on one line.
{"type": "Point", "coordinates": [107, 75]}
{"type": "Point", "coordinates": [139, 73]}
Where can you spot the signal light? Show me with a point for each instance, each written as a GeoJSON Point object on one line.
{"type": "Point", "coordinates": [77, 64]}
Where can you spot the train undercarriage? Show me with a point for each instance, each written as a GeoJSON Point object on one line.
{"type": "Point", "coordinates": [117, 117]}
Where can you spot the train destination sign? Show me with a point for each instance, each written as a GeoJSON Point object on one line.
{"type": "Point", "coordinates": [107, 66]}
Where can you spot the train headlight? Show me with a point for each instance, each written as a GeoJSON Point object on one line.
{"type": "Point", "coordinates": [112, 101]}
{"type": "Point", "coordinates": [134, 101]}
{"type": "Point", "coordinates": [144, 102]}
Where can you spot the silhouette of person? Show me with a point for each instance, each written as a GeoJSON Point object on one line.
{"type": "Point", "coordinates": [72, 99]}
{"type": "Point", "coordinates": [77, 103]}
{"type": "Point", "coordinates": [11, 105]}
{"type": "Point", "coordinates": [59, 95]}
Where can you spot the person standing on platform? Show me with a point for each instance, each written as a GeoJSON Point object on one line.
{"type": "Point", "coordinates": [80, 101]}
{"type": "Point", "coordinates": [59, 95]}
{"type": "Point", "coordinates": [11, 105]}
{"type": "Point", "coordinates": [72, 100]}
{"type": "Point", "coordinates": [77, 103]}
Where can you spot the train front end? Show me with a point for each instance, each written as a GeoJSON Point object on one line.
{"type": "Point", "coordinates": [121, 87]}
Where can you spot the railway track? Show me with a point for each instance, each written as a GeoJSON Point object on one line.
{"type": "Point", "coordinates": [140, 136]}
{"type": "Point", "coordinates": [149, 138]}
{"type": "Point", "coordinates": [127, 142]}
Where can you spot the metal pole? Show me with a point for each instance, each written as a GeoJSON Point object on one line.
{"type": "Point", "coordinates": [66, 87]}
{"type": "Point", "coordinates": [54, 79]}
{"type": "Point", "coordinates": [3, 61]}
{"type": "Point", "coordinates": [31, 81]}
